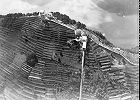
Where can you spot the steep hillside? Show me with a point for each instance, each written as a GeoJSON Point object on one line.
{"type": "Point", "coordinates": [37, 63]}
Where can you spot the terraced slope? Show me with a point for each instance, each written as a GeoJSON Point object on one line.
{"type": "Point", "coordinates": [53, 70]}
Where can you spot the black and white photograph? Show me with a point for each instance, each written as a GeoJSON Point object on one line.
{"type": "Point", "coordinates": [69, 50]}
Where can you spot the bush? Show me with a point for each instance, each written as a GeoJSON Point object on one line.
{"type": "Point", "coordinates": [32, 60]}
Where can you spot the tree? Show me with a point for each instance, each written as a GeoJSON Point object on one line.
{"type": "Point", "coordinates": [83, 25]}
{"type": "Point", "coordinates": [73, 22]}
{"type": "Point", "coordinates": [35, 13]}
{"type": "Point", "coordinates": [78, 24]}
{"type": "Point", "coordinates": [56, 14]}
{"type": "Point", "coordinates": [32, 59]}
{"type": "Point", "coordinates": [66, 20]}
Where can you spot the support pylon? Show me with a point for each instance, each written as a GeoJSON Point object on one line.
{"type": "Point", "coordinates": [84, 40]}
{"type": "Point", "coordinates": [82, 75]}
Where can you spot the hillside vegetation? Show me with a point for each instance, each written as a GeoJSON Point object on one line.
{"type": "Point", "coordinates": [38, 63]}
